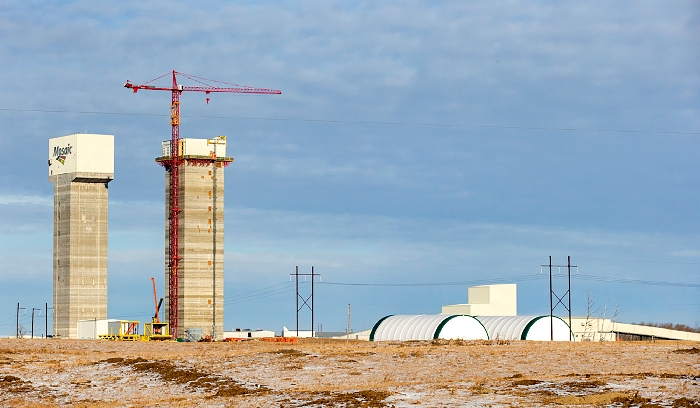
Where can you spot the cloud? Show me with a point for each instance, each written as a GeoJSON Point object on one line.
{"type": "Point", "coordinates": [9, 199]}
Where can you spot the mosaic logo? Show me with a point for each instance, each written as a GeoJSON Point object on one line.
{"type": "Point", "coordinates": [60, 153]}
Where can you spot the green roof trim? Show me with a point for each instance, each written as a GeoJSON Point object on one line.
{"type": "Point", "coordinates": [529, 325]}
{"type": "Point", "coordinates": [488, 337]}
{"type": "Point", "coordinates": [441, 325]}
{"type": "Point", "coordinates": [444, 322]}
{"type": "Point", "coordinates": [376, 326]}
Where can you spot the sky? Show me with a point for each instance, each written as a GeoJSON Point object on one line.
{"type": "Point", "coordinates": [417, 148]}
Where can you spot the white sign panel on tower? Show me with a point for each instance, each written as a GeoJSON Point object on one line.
{"type": "Point", "coordinates": [83, 153]}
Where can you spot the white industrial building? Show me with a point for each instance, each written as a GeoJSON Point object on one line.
{"type": "Point", "coordinates": [487, 300]}
{"type": "Point", "coordinates": [602, 329]}
{"type": "Point", "coordinates": [462, 327]}
{"type": "Point", "coordinates": [494, 307]}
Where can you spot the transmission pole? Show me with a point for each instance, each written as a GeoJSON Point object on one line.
{"type": "Point", "coordinates": [560, 299]}
{"type": "Point", "coordinates": [305, 301]}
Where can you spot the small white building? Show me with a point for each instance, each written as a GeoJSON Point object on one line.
{"type": "Point", "coordinates": [248, 334]}
{"type": "Point", "coordinates": [294, 333]}
{"type": "Point", "coordinates": [92, 329]}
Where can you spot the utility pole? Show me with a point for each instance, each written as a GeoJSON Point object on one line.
{"type": "Point", "coordinates": [17, 327]}
{"type": "Point", "coordinates": [33, 309]}
{"type": "Point", "coordinates": [305, 301]}
{"type": "Point", "coordinates": [347, 331]}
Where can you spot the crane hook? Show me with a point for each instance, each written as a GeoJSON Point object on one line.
{"type": "Point", "coordinates": [207, 101]}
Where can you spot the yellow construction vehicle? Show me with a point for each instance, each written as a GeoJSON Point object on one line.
{"type": "Point", "coordinates": [128, 331]}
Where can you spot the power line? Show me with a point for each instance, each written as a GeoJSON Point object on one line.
{"type": "Point", "coordinates": [643, 261]}
{"type": "Point", "coordinates": [453, 283]}
{"type": "Point", "coordinates": [366, 122]}
{"type": "Point", "coordinates": [608, 279]}
{"type": "Point", "coordinates": [262, 294]}
{"type": "Point", "coordinates": [521, 278]}
{"type": "Point", "coordinates": [257, 290]}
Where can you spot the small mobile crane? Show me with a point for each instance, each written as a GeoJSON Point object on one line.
{"type": "Point", "coordinates": [156, 330]}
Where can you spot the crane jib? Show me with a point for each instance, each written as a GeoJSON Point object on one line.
{"type": "Point", "coordinates": [205, 89]}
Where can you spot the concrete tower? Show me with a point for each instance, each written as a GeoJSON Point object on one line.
{"type": "Point", "coordinates": [80, 168]}
{"type": "Point", "coordinates": [201, 237]}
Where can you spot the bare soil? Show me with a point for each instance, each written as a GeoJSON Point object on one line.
{"type": "Point", "coordinates": [335, 373]}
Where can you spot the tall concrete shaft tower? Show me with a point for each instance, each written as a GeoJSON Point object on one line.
{"type": "Point", "coordinates": [201, 236]}
{"type": "Point", "coordinates": [80, 168]}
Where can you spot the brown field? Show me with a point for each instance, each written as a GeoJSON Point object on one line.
{"type": "Point", "coordinates": [316, 373]}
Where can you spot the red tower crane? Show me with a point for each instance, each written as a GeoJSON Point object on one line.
{"type": "Point", "coordinates": [173, 165]}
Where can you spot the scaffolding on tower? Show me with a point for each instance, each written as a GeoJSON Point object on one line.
{"type": "Point", "coordinates": [173, 163]}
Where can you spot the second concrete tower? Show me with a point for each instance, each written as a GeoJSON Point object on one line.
{"type": "Point", "coordinates": [201, 237]}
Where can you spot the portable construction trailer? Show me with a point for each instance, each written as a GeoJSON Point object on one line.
{"type": "Point", "coordinates": [92, 329]}
{"type": "Point", "coordinates": [540, 328]}
{"type": "Point", "coordinates": [428, 327]}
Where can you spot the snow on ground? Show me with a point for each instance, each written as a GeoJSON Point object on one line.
{"type": "Point", "coordinates": [320, 373]}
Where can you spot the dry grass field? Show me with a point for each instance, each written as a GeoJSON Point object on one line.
{"type": "Point", "coordinates": [316, 373]}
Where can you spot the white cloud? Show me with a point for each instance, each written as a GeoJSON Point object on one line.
{"type": "Point", "coordinates": [9, 199]}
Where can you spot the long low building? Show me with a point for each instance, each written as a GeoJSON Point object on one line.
{"type": "Point", "coordinates": [463, 327]}
{"type": "Point", "coordinates": [538, 328]}
{"type": "Point", "coordinates": [602, 329]}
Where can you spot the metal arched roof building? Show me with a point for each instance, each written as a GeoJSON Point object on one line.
{"type": "Point", "coordinates": [428, 327]}
{"type": "Point", "coordinates": [526, 328]}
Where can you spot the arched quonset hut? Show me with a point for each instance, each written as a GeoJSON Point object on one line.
{"type": "Point", "coordinates": [428, 327]}
{"type": "Point", "coordinates": [526, 328]}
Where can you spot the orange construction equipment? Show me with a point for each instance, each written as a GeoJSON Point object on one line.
{"type": "Point", "coordinates": [280, 339]}
{"type": "Point", "coordinates": [156, 318]}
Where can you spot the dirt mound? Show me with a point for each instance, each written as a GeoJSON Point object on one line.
{"type": "Point", "coordinates": [359, 399]}
{"type": "Point", "coordinates": [191, 377]}
{"type": "Point", "coordinates": [10, 383]}
{"type": "Point", "coordinates": [694, 350]}
{"type": "Point", "coordinates": [289, 352]}
{"type": "Point", "coordinates": [526, 382]}
{"type": "Point", "coordinates": [593, 399]}
{"type": "Point", "coordinates": [686, 403]}
{"type": "Point", "coordinates": [580, 385]}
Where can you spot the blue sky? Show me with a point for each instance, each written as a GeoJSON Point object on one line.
{"type": "Point", "coordinates": [414, 142]}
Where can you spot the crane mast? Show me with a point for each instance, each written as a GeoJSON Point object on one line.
{"type": "Point", "coordinates": [173, 165]}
